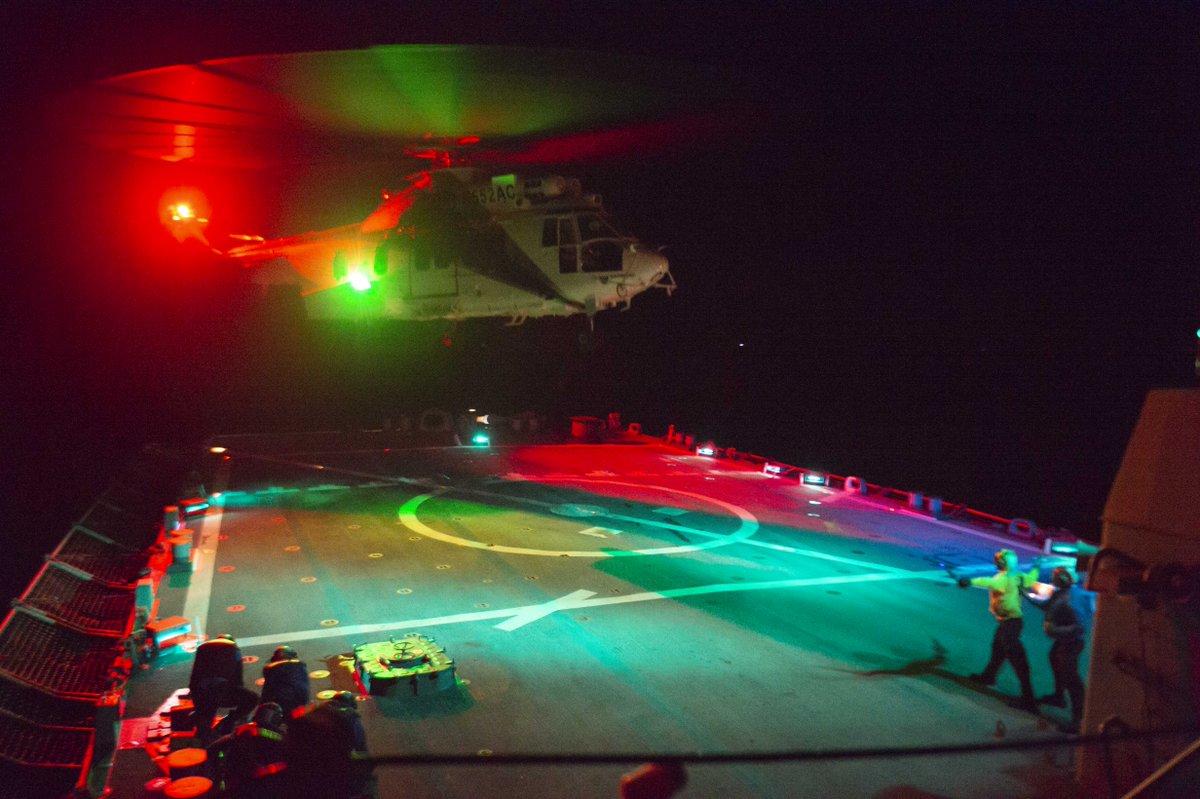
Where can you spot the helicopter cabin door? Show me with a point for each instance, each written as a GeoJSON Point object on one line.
{"type": "Point", "coordinates": [432, 273]}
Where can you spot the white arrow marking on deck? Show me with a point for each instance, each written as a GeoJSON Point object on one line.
{"type": "Point", "coordinates": [576, 600]}
{"type": "Point", "coordinates": [536, 612]}
{"type": "Point", "coordinates": [599, 532]}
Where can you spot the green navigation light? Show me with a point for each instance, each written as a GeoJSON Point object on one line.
{"type": "Point", "coordinates": [359, 281]}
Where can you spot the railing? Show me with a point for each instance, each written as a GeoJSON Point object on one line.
{"type": "Point", "coordinates": [64, 646]}
{"type": "Point", "coordinates": [914, 501]}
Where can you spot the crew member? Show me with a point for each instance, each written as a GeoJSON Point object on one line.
{"type": "Point", "coordinates": [1068, 619]}
{"type": "Point", "coordinates": [216, 682]}
{"type": "Point", "coordinates": [1005, 604]}
{"type": "Point", "coordinates": [285, 681]}
{"type": "Point", "coordinates": [325, 748]}
{"type": "Point", "coordinates": [252, 752]}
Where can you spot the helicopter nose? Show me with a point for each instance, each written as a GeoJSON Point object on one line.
{"type": "Point", "coordinates": [648, 268]}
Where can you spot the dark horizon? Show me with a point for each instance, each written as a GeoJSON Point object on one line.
{"type": "Point", "coordinates": [954, 257]}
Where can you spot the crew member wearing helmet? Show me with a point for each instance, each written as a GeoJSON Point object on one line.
{"type": "Point", "coordinates": [1068, 618]}
{"type": "Point", "coordinates": [254, 752]}
{"type": "Point", "coordinates": [1005, 604]}
{"type": "Point", "coordinates": [285, 681]}
{"type": "Point", "coordinates": [216, 682]}
{"type": "Point", "coordinates": [326, 749]}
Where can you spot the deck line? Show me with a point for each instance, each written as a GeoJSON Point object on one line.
{"type": "Point", "coordinates": [204, 558]}
{"type": "Point", "coordinates": [575, 601]}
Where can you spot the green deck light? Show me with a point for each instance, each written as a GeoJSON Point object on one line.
{"type": "Point", "coordinates": [480, 439]}
{"type": "Point", "coordinates": [359, 281]}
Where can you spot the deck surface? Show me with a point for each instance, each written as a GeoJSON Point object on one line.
{"type": "Point", "coordinates": [611, 599]}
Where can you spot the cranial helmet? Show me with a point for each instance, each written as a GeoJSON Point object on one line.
{"type": "Point", "coordinates": [1062, 577]}
{"type": "Point", "coordinates": [1006, 559]}
{"type": "Point", "coordinates": [342, 699]}
{"type": "Point", "coordinates": [284, 653]}
{"type": "Point", "coordinates": [269, 715]}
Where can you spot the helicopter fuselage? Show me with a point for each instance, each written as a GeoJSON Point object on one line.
{"type": "Point", "coordinates": [456, 244]}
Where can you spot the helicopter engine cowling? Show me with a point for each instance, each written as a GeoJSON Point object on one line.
{"type": "Point", "coordinates": [543, 188]}
{"type": "Point", "coordinates": [548, 187]}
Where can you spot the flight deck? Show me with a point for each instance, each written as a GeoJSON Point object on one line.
{"type": "Point", "coordinates": [594, 599]}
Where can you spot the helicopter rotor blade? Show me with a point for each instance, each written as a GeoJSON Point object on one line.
{"type": "Point", "coordinates": [383, 103]}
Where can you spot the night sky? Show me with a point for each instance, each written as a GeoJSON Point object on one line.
{"type": "Point", "coordinates": [951, 252]}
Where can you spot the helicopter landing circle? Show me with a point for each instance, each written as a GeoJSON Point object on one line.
{"type": "Point", "coordinates": [747, 526]}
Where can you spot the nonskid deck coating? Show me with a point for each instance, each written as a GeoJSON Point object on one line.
{"type": "Point", "coordinates": [618, 598]}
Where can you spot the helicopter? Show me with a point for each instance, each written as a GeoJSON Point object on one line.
{"type": "Point", "coordinates": [457, 242]}
{"type": "Point", "coordinates": [481, 229]}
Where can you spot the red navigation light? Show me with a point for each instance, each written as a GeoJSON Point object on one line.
{"type": "Point", "coordinates": [183, 210]}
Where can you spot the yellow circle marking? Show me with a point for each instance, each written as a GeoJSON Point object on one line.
{"type": "Point", "coordinates": [747, 528]}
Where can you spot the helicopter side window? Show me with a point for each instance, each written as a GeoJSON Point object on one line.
{"type": "Point", "coordinates": [568, 250]}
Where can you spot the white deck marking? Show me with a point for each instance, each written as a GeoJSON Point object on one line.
{"type": "Point", "coordinates": [599, 532]}
{"type": "Point", "coordinates": [536, 612]}
{"type": "Point", "coordinates": [408, 516]}
{"type": "Point", "coordinates": [204, 555]}
{"type": "Point", "coordinates": [567, 603]}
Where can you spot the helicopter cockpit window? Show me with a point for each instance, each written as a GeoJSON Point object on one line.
{"type": "Point", "coordinates": [602, 246]}
{"type": "Point", "coordinates": [594, 226]}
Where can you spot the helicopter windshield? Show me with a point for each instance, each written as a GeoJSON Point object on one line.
{"type": "Point", "coordinates": [595, 226]}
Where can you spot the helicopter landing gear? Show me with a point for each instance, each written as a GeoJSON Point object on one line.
{"type": "Point", "coordinates": [587, 339]}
